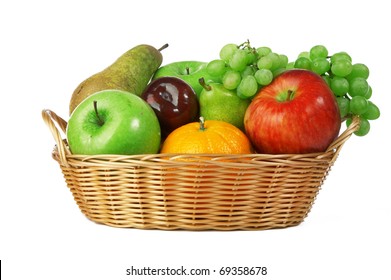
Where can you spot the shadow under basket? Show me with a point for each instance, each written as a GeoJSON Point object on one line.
{"type": "Point", "coordinates": [194, 191]}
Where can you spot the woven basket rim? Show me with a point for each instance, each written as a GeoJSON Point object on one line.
{"type": "Point", "coordinates": [62, 153]}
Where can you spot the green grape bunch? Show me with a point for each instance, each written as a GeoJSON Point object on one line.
{"type": "Point", "coordinates": [246, 69]}
{"type": "Point", "coordinates": [347, 80]}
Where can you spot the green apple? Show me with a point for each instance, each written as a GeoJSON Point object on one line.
{"type": "Point", "coordinates": [189, 71]}
{"type": "Point", "coordinates": [219, 103]}
{"type": "Point", "coordinates": [113, 122]}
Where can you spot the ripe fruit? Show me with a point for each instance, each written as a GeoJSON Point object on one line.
{"type": "Point", "coordinates": [348, 82]}
{"type": "Point", "coordinates": [113, 122]}
{"type": "Point", "coordinates": [131, 72]}
{"type": "Point", "coordinates": [209, 137]}
{"type": "Point", "coordinates": [244, 69]}
{"type": "Point", "coordinates": [219, 103]}
{"type": "Point", "coordinates": [189, 71]}
{"type": "Point", "coordinates": [174, 102]}
{"type": "Point", "coordinates": [296, 113]}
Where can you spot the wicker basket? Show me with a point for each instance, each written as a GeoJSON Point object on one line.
{"type": "Point", "coordinates": [194, 192]}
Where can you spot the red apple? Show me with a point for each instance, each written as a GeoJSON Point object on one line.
{"type": "Point", "coordinates": [297, 113]}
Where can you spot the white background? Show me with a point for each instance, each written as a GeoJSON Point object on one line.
{"type": "Point", "coordinates": [48, 47]}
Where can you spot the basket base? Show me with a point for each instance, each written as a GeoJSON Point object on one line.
{"type": "Point", "coordinates": [201, 226]}
{"type": "Point", "coordinates": [250, 193]}
{"type": "Point", "coordinates": [197, 218]}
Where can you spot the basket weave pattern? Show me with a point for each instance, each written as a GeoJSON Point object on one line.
{"type": "Point", "coordinates": [194, 192]}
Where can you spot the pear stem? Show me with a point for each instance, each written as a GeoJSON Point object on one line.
{"type": "Point", "coordinates": [100, 121]}
{"type": "Point", "coordinates": [202, 123]}
{"type": "Point", "coordinates": [163, 47]}
{"type": "Point", "coordinates": [204, 84]}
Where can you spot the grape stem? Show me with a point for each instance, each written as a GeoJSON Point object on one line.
{"type": "Point", "coordinates": [347, 96]}
{"type": "Point", "coordinates": [348, 116]}
{"type": "Point", "coordinates": [245, 45]}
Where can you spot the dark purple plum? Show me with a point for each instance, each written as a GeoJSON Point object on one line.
{"type": "Point", "coordinates": [174, 101]}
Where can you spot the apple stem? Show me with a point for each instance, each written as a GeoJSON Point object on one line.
{"type": "Point", "coordinates": [163, 47]}
{"type": "Point", "coordinates": [291, 94]}
{"type": "Point", "coordinates": [202, 123]}
{"type": "Point", "coordinates": [100, 121]}
{"type": "Point", "coordinates": [204, 84]}
{"type": "Point", "coordinates": [187, 71]}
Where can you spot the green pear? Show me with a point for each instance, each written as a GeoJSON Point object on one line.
{"type": "Point", "coordinates": [219, 103]}
{"type": "Point", "coordinates": [130, 72]}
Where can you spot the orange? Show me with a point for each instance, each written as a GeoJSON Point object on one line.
{"type": "Point", "coordinates": [207, 137]}
{"type": "Point", "coordinates": [197, 182]}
